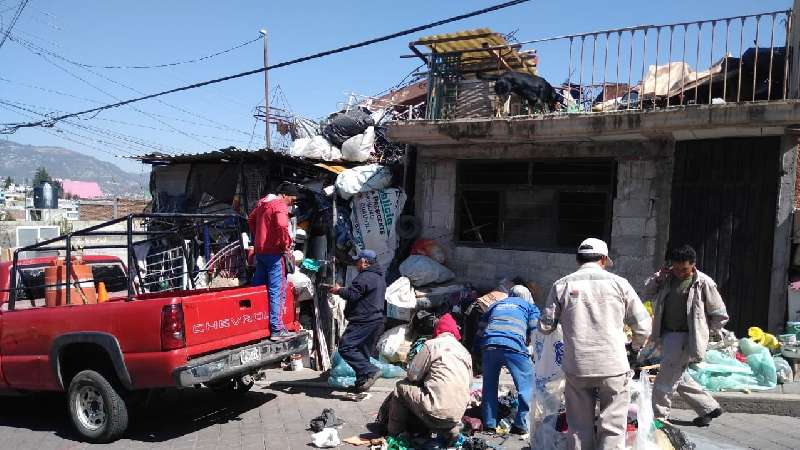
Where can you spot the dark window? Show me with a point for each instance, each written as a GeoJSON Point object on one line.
{"type": "Point", "coordinates": [111, 275]}
{"type": "Point", "coordinates": [547, 205]}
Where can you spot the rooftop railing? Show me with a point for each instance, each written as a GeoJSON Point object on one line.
{"type": "Point", "coordinates": [715, 61]}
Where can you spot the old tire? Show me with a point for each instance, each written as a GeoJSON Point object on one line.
{"type": "Point", "coordinates": [96, 408]}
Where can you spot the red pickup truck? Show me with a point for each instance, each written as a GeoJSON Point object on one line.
{"type": "Point", "coordinates": [104, 354]}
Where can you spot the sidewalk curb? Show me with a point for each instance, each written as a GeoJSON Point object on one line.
{"type": "Point", "coordinates": [755, 403]}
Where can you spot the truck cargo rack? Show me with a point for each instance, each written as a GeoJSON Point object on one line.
{"type": "Point", "coordinates": [163, 225]}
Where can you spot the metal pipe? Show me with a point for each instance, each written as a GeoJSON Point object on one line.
{"type": "Point", "coordinates": [669, 61]}
{"type": "Point", "coordinates": [683, 66]}
{"type": "Point", "coordinates": [771, 56]}
{"type": "Point", "coordinates": [755, 59]}
{"type": "Point", "coordinates": [658, 48]}
{"type": "Point", "coordinates": [591, 80]}
{"type": "Point", "coordinates": [569, 78]}
{"type": "Point", "coordinates": [741, 55]}
{"type": "Point", "coordinates": [630, 68]}
{"type": "Point", "coordinates": [580, 76]}
{"type": "Point", "coordinates": [605, 68]}
{"type": "Point", "coordinates": [616, 78]}
{"type": "Point", "coordinates": [697, 60]}
{"type": "Point", "coordinates": [12, 296]}
{"type": "Point", "coordinates": [644, 64]}
{"type": "Point", "coordinates": [267, 137]}
{"type": "Point", "coordinates": [68, 261]}
{"type": "Point", "coordinates": [711, 61]}
{"type": "Point", "coordinates": [789, 31]}
{"type": "Point", "coordinates": [727, 59]}
{"type": "Point", "coordinates": [131, 257]}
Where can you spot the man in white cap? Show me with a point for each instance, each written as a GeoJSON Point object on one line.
{"type": "Point", "coordinates": [592, 305]}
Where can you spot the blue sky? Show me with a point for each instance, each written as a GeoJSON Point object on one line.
{"type": "Point", "coordinates": [146, 32]}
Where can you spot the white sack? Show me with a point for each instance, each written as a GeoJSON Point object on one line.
{"type": "Point", "coordinates": [315, 148]}
{"type": "Point", "coordinates": [371, 177]}
{"type": "Point", "coordinates": [422, 270]}
{"type": "Point", "coordinates": [391, 341]}
{"type": "Point", "coordinates": [400, 299]}
{"type": "Point", "coordinates": [298, 147]}
{"type": "Point", "coordinates": [373, 216]}
{"type": "Point", "coordinates": [303, 286]}
{"type": "Point", "coordinates": [326, 438]}
{"type": "Point", "coordinates": [359, 147]}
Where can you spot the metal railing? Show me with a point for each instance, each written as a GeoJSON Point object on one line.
{"type": "Point", "coordinates": [732, 59]}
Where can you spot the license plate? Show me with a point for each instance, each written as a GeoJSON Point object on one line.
{"type": "Point", "coordinates": [250, 355]}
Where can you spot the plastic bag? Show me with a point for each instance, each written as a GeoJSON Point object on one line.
{"type": "Point", "coordinates": [370, 177]}
{"type": "Point", "coordinates": [548, 390]}
{"type": "Point", "coordinates": [315, 148]}
{"type": "Point", "coordinates": [784, 370]}
{"type": "Point", "coordinates": [326, 438]}
{"type": "Point", "coordinates": [392, 342]}
{"type": "Point", "coordinates": [298, 147]}
{"type": "Point", "coordinates": [760, 337]}
{"type": "Point", "coordinates": [342, 375]}
{"type": "Point", "coordinates": [345, 124]}
{"type": "Point", "coordinates": [429, 248]}
{"type": "Point", "coordinates": [400, 300]}
{"type": "Point", "coordinates": [764, 369]}
{"type": "Point", "coordinates": [422, 270]}
{"type": "Point", "coordinates": [302, 284]}
{"type": "Point", "coordinates": [645, 434]}
{"type": "Point", "coordinates": [719, 372]}
{"type": "Point", "coordinates": [359, 147]}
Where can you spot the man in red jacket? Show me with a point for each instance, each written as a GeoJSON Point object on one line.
{"type": "Point", "coordinates": [269, 225]}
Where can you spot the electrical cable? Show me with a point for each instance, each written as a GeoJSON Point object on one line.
{"type": "Point", "coordinates": [37, 50]}
{"type": "Point", "coordinates": [22, 5]}
{"type": "Point", "coordinates": [11, 128]}
{"type": "Point", "coordinates": [172, 64]}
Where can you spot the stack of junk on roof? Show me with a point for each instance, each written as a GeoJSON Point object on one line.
{"type": "Point", "coordinates": [353, 184]}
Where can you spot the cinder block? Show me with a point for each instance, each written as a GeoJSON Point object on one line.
{"type": "Point", "coordinates": [632, 207]}
{"type": "Point", "coordinates": [627, 226]}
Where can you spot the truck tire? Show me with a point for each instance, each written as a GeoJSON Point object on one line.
{"type": "Point", "coordinates": [96, 408]}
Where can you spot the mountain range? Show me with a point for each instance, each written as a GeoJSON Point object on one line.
{"type": "Point", "coordinates": [20, 161]}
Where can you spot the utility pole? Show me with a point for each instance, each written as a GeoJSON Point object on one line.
{"type": "Point", "coordinates": [266, 93]}
{"type": "Point", "coordinates": [794, 50]}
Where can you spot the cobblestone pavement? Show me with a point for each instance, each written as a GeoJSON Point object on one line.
{"type": "Point", "coordinates": [276, 418]}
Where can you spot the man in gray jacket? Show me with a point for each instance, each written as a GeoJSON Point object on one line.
{"type": "Point", "coordinates": [687, 309]}
{"type": "Point", "coordinates": [593, 305]}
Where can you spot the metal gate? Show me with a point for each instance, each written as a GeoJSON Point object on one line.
{"type": "Point", "coordinates": [724, 195]}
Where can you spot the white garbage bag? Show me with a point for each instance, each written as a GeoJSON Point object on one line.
{"type": "Point", "coordinates": [390, 343]}
{"type": "Point", "coordinates": [298, 147]}
{"type": "Point", "coordinates": [371, 177]}
{"type": "Point", "coordinates": [326, 438]}
{"type": "Point", "coordinates": [401, 300]}
{"type": "Point", "coordinates": [315, 148]}
{"type": "Point", "coordinates": [359, 147]}
{"type": "Point", "coordinates": [302, 285]}
{"type": "Point", "coordinates": [422, 270]}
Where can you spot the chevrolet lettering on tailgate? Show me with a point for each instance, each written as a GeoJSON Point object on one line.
{"type": "Point", "coordinates": [219, 324]}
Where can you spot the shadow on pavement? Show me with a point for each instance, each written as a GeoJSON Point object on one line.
{"type": "Point", "coordinates": [169, 414]}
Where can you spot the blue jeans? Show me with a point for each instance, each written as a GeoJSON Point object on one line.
{"type": "Point", "coordinates": [270, 271]}
{"type": "Point", "coordinates": [521, 368]}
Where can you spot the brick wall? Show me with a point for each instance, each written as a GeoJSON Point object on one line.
{"type": "Point", "coordinates": [103, 210]}
{"type": "Point", "coordinates": [640, 220]}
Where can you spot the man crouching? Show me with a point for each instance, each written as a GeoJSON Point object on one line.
{"type": "Point", "coordinates": [436, 389]}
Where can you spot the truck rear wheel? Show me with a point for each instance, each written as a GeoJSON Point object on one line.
{"type": "Point", "coordinates": [96, 408]}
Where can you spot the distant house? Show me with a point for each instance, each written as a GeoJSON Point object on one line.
{"type": "Point", "coordinates": [82, 189]}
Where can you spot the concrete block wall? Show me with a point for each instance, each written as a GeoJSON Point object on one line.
{"type": "Point", "coordinates": [640, 219]}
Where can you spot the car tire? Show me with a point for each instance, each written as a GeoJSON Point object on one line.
{"type": "Point", "coordinates": [96, 408]}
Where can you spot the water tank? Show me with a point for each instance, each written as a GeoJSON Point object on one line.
{"type": "Point", "coordinates": [45, 196]}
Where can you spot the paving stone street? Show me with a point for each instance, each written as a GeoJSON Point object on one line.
{"type": "Point", "coordinates": [276, 417]}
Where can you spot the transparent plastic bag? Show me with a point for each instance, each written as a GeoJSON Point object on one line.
{"type": "Point", "coordinates": [342, 375]}
{"type": "Point", "coordinates": [548, 391]}
{"type": "Point", "coordinates": [785, 373]}
{"type": "Point", "coordinates": [645, 434]}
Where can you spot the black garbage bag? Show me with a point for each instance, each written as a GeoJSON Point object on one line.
{"type": "Point", "coordinates": [341, 126]}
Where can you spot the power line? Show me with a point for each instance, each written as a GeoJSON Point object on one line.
{"type": "Point", "coordinates": [22, 5]}
{"type": "Point", "coordinates": [11, 128]}
{"type": "Point", "coordinates": [172, 64]}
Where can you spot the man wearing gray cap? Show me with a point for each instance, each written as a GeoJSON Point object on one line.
{"type": "Point", "coordinates": [592, 305]}
{"type": "Point", "coordinates": [364, 312]}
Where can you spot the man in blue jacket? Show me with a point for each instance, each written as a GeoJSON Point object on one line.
{"type": "Point", "coordinates": [364, 312]}
{"type": "Point", "coordinates": [503, 335]}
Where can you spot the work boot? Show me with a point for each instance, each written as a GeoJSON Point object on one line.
{"type": "Point", "coordinates": [368, 382]}
{"type": "Point", "coordinates": [705, 419]}
{"type": "Point", "coordinates": [518, 430]}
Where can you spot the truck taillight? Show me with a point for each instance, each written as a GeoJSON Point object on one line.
{"type": "Point", "coordinates": [173, 334]}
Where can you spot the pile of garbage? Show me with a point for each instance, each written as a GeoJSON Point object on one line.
{"type": "Point", "coordinates": [355, 134]}
{"type": "Point", "coordinates": [747, 364]}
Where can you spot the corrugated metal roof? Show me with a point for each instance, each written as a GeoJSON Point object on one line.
{"type": "Point", "coordinates": [471, 43]}
{"type": "Point", "coordinates": [230, 154]}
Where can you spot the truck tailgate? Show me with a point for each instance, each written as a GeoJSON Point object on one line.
{"type": "Point", "coordinates": [221, 315]}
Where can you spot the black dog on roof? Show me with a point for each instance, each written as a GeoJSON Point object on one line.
{"type": "Point", "coordinates": [533, 88]}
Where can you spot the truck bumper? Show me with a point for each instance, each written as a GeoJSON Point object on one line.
{"type": "Point", "coordinates": [239, 360]}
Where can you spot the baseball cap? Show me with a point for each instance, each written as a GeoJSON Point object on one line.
{"type": "Point", "coordinates": [369, 255]}
{"type": "Point", "coordinates": [287, 188]}
{"type": "Point", "coordinates": [594, 246]}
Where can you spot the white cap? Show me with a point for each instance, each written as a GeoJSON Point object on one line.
{"type": "Point", "coordinates": [594, 246]}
